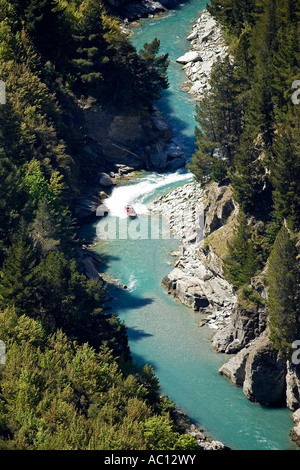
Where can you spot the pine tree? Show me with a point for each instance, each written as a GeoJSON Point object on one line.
{"type": "Point", "coordinates": [261, 105]}
{"type": "Point", "coordinates": [233, 14]}
{"type": "Point", "coordinates": [285, 170]}
{"type": "Point", "coordinates": [17, 282]}
{"type": "Point", "coordinates": [51, 230]}
{"type": "Point", "coordinates": [284, 292]}
{"type": "Point", "coordinates": [241, 263]}
{"type": "Point", "coordinates": [219, 116]}
{"type": "Point", "coordinates": [156, 67]}
{"type": "Point", "coordinates": [47, 27]}
{"type": "Point", "coordinates": [91, 49]}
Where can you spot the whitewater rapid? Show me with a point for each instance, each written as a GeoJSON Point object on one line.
{"type": "Point", "coordinates": [138, 192]}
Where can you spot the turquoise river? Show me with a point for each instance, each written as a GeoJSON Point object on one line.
{"type": "Point", "coordinates": [162, 332]}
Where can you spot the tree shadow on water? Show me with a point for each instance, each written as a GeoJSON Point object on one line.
{"type": "Point", "coordinates": [122, 298]}
{"type": "Point", "coordinates": [178, 125]}
{"type": "Point", "coordinates": [136, 334]}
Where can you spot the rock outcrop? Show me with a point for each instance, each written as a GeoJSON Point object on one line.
{"type": "Point", "coordinates": [109, 139]}
{"type": "Point", "coordinates": [260, 370]}
{"type": "Point", "coordinates": [247, 322]}
{"type": "Point", "coordinates": [293, 386]}
{"type": "Point", "coordinates": [265, 372]}
{"type": "Point", "coordinates": [203, 220]}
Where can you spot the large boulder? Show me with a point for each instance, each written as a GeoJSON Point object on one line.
{"type": "Point", "coordinates": [260, 370]}
{"type": "Point", "coordinates": [187, 290]}
{"type": "Point", "coordinates": [85, 208]}
{"type": "Point", "coordinates": [170, 159]}
{"type": "Point", "coordinates": [192, 56]}
{"type": "Point", "coordinates": [158, 160]}
{"type": "Point", "coordinates": [265, 374]}
{"type": "Point", "coordinates": [234, 369]}
{"type": "Point", "coordinates": [105, 180]}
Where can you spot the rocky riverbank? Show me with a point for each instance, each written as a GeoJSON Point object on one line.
{"type": "Point", "coordinates": [197, 280]}
{"type": "Point", "coordinates": [207, 46]}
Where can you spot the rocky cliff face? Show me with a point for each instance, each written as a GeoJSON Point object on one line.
{"type": "Point", "coordinates": [133, 10]}
{"type": "Point", "coordinates": [260, 370]}
{"type": "Point", "coordinates": [247, 322]}
{"type": "Point", "coordinates": [114, 143]}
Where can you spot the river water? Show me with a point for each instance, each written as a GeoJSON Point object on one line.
{"type": "Point", "coordinates": [162, 332]}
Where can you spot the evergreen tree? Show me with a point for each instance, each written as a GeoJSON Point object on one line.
{"type": "Point", "coordinates": [46, 25]}
{"type": "Point", "coordinates": [12, 201]}
{"type": "Point", "coordinates": [219, 116]}
{"type": "Point", "coordinates": [233, 14]}
{"type": "Point", "coordinates": [285, 170]}
{"type": "Point", "coordinates": [91, 48]}
{"type": "Point", "coordinates": [241, 262]}
{"type": "Point", "coordinates": [156, 67]}
{"type": "Point", "coordinates": [52, 230]}
{"type": "Point", "coordinates": [17, 282]}
{"type": "Point", "coordinates": [284, 292]}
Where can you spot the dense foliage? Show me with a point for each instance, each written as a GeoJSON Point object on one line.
{"type": "Point", "coordinates": [249, 127]}
{"type": "Point", "coordinates": [284, 292]}
{"type": "Point", "coordinates": [68, 381]}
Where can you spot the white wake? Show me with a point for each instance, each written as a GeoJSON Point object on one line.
{"type": "Point", "coordinates": [136, 194]}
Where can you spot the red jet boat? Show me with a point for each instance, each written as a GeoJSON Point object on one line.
{"type": "Point", "coordinates": [130, 211]}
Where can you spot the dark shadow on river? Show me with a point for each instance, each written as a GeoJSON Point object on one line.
{"type": "Point", "coordinates": [178, 126]}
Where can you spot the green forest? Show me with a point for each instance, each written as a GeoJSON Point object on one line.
{"type": "Point", "coordinates": [69, 381]}
{"type": "Point", "coordinates": [251, 117]}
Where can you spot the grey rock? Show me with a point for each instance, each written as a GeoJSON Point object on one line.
{"type": "Point", "coordinates": [110, 138]}
{"type": "Point", "coordinates": [234, 369]}
{"type": "Point", "coordinates": [85, 208]}
{"type": "Point", "coordinates": [192, 36]}
{"type": "Point", "coordinates": [265, 374]}
{"type": "Point", "coordinates": [207, 41]}
{"type": "Point", "coordinates": [192, 56]}
{"type": "Point", "coordinates": [243, 327]}
{"type": "Point", "coordinates": [295, 432]}
{"type": "Point", "coordinates": [196, 87]}
{"type": "Point", "coordinates": [105, 180]}
{"type": "Point", "coordinates": [293, 386]}
{"type": "Point", "coordinates": [196, 280]}
{"type": "Point", "coordinates": [219, 207]}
